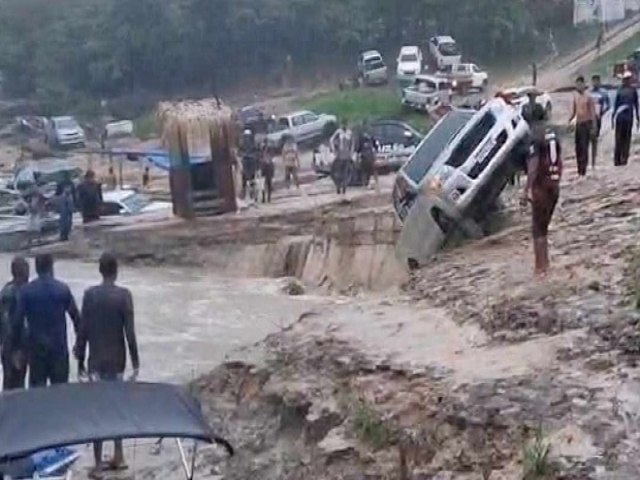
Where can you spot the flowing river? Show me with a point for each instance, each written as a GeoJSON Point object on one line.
{"type": "Point", "coordinates": [188, 320]}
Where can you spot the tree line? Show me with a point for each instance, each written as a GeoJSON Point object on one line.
{"type": "Point", "coordinates": [106, 48]}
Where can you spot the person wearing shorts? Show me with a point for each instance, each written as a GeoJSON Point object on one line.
{"type": "Point", "coordinates": [107, 327]}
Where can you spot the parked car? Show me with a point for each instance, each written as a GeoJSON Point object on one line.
{"type": "Point", "coordinates": [428, 92]}
{"type": "Point", "coordinates": [465, 161]}
{"type": "Point", "coordinates": [394, 132]}
{"type": "Point", "coordinates": [395, 141]}
{"type": "Point", "coordinates": [303, 126]}
{"type": "Point", "coordinates": [409, 62]}
{"type": "Point", "coordinates": [445, 51]}
{"type": "Point", "coordinates": [372, 69]}
{"type": "Point", "coordinates": [130, 202]}
{"type": "Point", "coordinates": [253, 118]}
{"type": "Point", "coordinates": [518, 97]}
{"type": "Point", "coordinates": [65, 132]}
{"type": "Point", "coordinates": [467, 75]}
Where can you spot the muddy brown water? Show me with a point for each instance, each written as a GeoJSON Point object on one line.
{"type": "Point", "coordinates": [188, 320]}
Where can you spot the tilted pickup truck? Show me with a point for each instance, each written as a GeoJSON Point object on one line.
{"type": "Point", "coordinates": [456, 175]}
{"type": "Point", "coordinates": [303, 126]}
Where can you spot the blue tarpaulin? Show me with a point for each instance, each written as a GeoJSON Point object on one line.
{"type": "Point", "coordinates": [159, 158]}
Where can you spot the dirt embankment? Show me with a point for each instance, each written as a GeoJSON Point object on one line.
{"type": "Point", "coordinates": [476, 373]}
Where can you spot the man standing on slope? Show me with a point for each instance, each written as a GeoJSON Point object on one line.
{"type": "Point", "coordinates": [584, 115]}
{"type": "Point", "coordinates": [624, 111]}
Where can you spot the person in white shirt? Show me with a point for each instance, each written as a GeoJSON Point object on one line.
{"type": "Point", "coordinates": [342, 145]}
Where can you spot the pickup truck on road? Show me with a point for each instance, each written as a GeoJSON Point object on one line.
{"type": "Point", "coordinates": [467, 75]}
{"type": "Point", "coordinates": [303, 126]}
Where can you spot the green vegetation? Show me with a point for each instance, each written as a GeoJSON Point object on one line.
{"type": "Point", "coordinates": [605, 63]}
{"type": "Point", "coordinates": [369, 427]}
{"type": "Point", "coordinates": [365, 104]}
{"type": "Point", "coordinates": [536, 461]}
{"type": "Point", "coordinates": [146, 126]}
{"type": "Point", "coordinates": [61, 51]}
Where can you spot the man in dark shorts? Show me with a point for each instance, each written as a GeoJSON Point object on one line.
{"type": "Point", "coordinates": [584, 116]}
{"type": "Point", "coordinates": [543, 190]}
{"type": "Point", "coordinates": [107, 322]}
{"type": "Point", "coordinates": [14, 360]}
{"type": "Point", "coordinates": [42, 309]}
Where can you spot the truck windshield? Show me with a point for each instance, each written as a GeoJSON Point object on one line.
{"type": "Point", "coordinates": [471, 140]}
{"type": "Point", "coordinates": [409, 58]}
{"type": "Point", "coordinates": [449, 49]}
{"type": "Point", "coordinates": [373, 64]}
{"type": "Point", "coordinates": [66, 123]}
{"type": "Point", "coordinates": [435, 142]}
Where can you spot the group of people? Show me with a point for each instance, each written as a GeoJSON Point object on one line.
{"type": "Point", "coordinates": [86, 197]}
{"type": "Point", "coordinates": [258, 168]}
{"type": "Point", "coordinates": [33, 332]}
{"type": "Point", "coordinates": [589, 109]}
{"type": "Point", "coordinates": [544, 164]}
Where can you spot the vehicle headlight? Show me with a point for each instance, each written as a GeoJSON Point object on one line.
{"type": "Point", "coordinates": [454, 83]}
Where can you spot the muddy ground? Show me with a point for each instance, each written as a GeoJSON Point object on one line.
{"type": "Point", "coordinates": [471, 371]}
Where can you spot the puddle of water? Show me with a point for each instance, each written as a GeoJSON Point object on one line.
{"type": "Point", "coordinates": [186, 320]}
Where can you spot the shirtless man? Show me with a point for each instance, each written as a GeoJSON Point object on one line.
{"type": "Point", "coordinates": [584, 114]}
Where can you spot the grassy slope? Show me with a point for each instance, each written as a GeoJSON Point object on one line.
{"type": "Point", "coordinates": [604, 64]}
{"type": "Point", "coordinates": [365, 104]}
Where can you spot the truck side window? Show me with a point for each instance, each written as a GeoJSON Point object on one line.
{"type": "Point", "coordinates": [471, 140]}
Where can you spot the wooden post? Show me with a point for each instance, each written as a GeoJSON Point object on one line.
{"type": "Point", "coordinates": [222, 158]}
{"type": "Point", "coordinates": [120, 180]}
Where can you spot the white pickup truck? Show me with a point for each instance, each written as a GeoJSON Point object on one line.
{"type": "Point", "coordinates": [467, 75]}
{"type": "Point", "coordinates": [456, 175]}
{"type": "Point", "coordinates": [428, 92]}
{"type": "Point", "coordinates": [303, 126]}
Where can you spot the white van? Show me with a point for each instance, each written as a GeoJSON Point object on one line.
{"type": "Point", "coordinates": [444, 51]}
